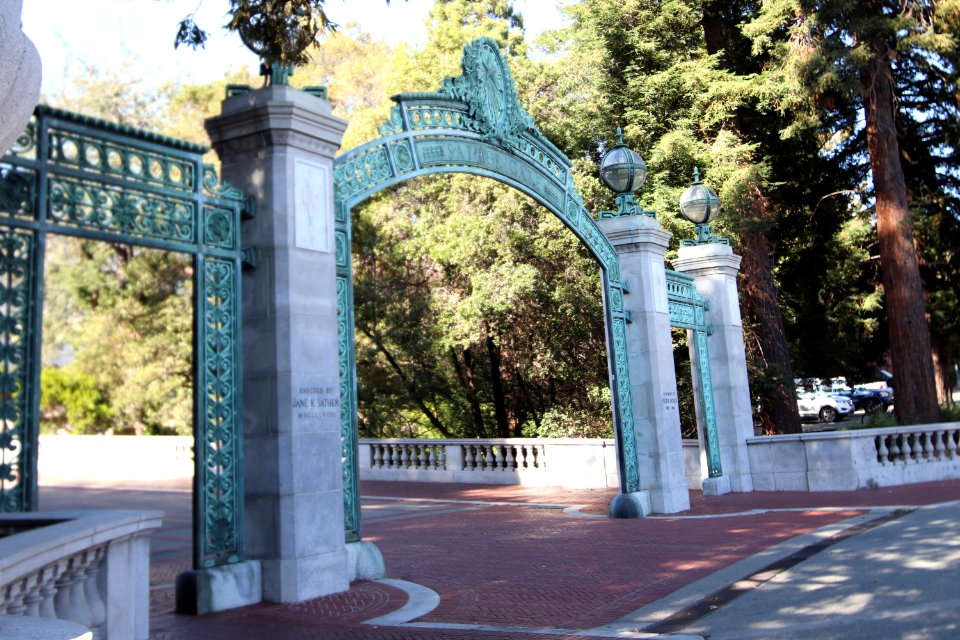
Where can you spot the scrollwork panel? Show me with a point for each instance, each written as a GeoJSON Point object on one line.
{"type": "Point", "coordinates": [218, 447]}
{"type": "Point", "coordinates": [18, 262]}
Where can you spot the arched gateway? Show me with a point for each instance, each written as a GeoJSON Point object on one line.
{"type": "Point", "coordinates": [472, 124]}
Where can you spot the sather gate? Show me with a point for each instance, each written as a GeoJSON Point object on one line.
{"type": "Point", "coordinates": [474, 124]}
{"type": "Point", "coordinates": [78, 176]}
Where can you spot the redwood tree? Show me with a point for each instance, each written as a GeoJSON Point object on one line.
{"type": "Point", "coordinates": [845, 52]}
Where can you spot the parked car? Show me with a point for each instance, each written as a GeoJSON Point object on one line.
{"type": "Point", "coordinates": [869, 400]}
{"type": "Point", "coordinates": [823, 406]}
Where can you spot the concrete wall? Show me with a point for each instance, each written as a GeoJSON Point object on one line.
{"type": "Point", "coordinates": [860, 459]}
{"type": "Point", "coordinates": [159, 461]}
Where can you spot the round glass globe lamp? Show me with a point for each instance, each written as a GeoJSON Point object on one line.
{"type": "Point", "coordinates": [622, 169]}
{"type": "Point", "coordinates": [699, 203]}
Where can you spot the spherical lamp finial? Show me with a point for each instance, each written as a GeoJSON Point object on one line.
{"type": "Point", "coordinates": [699, 203]}
{"type": "Point", "coordinates": [622, 169]}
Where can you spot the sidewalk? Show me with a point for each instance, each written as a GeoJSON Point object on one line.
{"type": "Point", "coordinates": [513, 562]}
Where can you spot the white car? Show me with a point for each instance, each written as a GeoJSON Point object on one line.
{"type": "Point", "coordinates": [823, 406]}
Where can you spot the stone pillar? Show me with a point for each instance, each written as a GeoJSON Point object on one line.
{"type": "Point", "coordinates": [641, 244]}
{"type": "Point", "coordinates": [715, 268]}
{"type": "Point", "coordinates": [277, 144]}
{"type": "Point", "coordinates": [19, 75]}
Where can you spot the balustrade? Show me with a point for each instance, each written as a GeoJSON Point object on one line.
{"type": "Point", "coordinates": [574, 462]}
{"type": "Point", "coordinates": [56, 566]}
{"type": "Point", "coordinates": [929, 443]}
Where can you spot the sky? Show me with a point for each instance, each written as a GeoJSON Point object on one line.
{"type": "Point", "coordinates": [137, 35]}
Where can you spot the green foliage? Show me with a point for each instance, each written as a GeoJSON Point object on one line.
{"type": "Point", "coordinates": [73, 401]}
{"type": "Point", "coordinates": [120, 321]}
{"type": "Point", "coordinates": [279, 31]}
{"type": "Point", "coordinates": [578, 421]}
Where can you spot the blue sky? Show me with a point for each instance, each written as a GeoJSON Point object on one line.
{"type": "Point", "coordinates": [111, 33]}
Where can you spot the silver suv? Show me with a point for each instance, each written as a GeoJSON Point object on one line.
{"type": "Point", "coordinates": [823, 406]}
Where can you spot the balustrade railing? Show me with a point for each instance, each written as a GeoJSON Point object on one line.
{"type": "Point", "coordinates": [91, 568]}
{"type": "Point", "coordinates": [930, 443]}
{"type": "Point", "coordinates": [558, 461]}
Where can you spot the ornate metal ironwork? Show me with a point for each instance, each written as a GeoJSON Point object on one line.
{"type": "Point", "coordinates": [85, 177]}
{"type": "Point", "coordinates": [18, 391]}
{"type": "Point", "coordinates": [218, 441]}
{"type": "Point", "coordinates": [473, 124]}
{"type": "Point", "coordinates": [688, 311]}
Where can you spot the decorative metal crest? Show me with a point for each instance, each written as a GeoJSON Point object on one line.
{"type": "Point", "coordinates": [487, 87]}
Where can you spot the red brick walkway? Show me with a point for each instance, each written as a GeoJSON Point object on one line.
{"type": "Point", "coordinates": [520, 564]}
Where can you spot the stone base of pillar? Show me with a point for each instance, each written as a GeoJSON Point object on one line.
{"type": "Point", "coordinates": [364, 561]}
{"type": "Point", "coordinates": [716, 486]}
{"type": "Point", "coordinates": [635, 504]}
{"type": "Point", "coordinates": [219, 588]}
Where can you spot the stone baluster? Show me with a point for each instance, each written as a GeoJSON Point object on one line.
{"type": "Point", "coordinates": [523, 451]}
{"type": "Point", "coordinates": [496, 457]}
{"type": "Point", "coordinates": [48, 591]}
{"type": "Point", "coordinates": [511, 462]}
{"type": "Point", "coordinates": [953, 442]}
{"type": "Point", "coordinates": [78, 598]}
{"type": "Point", "coordinates": [13, 599]}
{"type": "Point", "coordinates": [468, 460]}
{"type": "Point", "coordinates": [894, 447]}
{"type": "Point", "coordinates": [927, 448]}
{"type": "Point", "coordinates": [937, 444]}
{"type": "Point", "coordinates": [395, 456]}
{"type": "Point", "coordinates": [377, 450]}
{"type": "Point", "coordinates": [95, 603]}
{"type": "Point", "coordinates": [32, 597]}
{"type": "Point", "coordinates": [909, 446]}
{"type": "Point", "coordinates": [882, 452]}
{"type": "Point", "coordinates": [61, 600]}
{"type": "Point", "coordinates": [442, 456]}
{"type": "Point", "coordinates": [542, 457]}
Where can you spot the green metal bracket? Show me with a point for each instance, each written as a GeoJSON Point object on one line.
{"type": "Point", "coordinates": [627, 205]}
{"type": "Point", "coordinates": [249, 257]}
{"type": "Point", "coordinates": [704, 236]}
{"type": "Point", "coordinates": [238, 89]}
{"type": "Point", "coordinates": [317, 91]}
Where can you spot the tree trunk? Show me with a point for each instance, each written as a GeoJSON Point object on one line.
{"type": "Point", "coordinates": [910, 350]}
{"type": "Point", "coordinates": [942, 374]}
{"type": "Point", "coordinates": [410, 384]}
{"type": "Point", "coordinates": [496, 382]}
{"type": "Point", "coordinates": [465, 374]}
{"type": "Point", "coordinates": [778, 406]}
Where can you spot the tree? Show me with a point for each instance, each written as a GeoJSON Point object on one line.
{"type": "Point", "coordinates": [665, 71]}
{"type": "Point", "coordinates": [846, 53]}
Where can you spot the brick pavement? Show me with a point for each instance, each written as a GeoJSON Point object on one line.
{"type": "Point", "coordinates": [508, 561]}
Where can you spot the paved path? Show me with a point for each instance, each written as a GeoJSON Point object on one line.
{"type": "Point", "coordinates": [482, 562]}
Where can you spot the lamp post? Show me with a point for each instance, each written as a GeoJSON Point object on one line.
{"type": "Point", "coordinates": [623, 171]}
{"type": "Point", "coordinates": [699, 204]}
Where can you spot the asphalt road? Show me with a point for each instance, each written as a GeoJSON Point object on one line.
{"type": "Point", "coordinates": [897, 580]}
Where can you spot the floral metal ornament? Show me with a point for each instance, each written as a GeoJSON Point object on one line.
{"type": "Point", "coordinates": [486, 87]}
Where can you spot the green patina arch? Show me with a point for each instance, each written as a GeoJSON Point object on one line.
{"type": "Point", "coordinates": [688, 310]}
{"type": "Point", "coordinates": [472, 124]}
{"type": "Point", "coordinates": [73, 175]}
